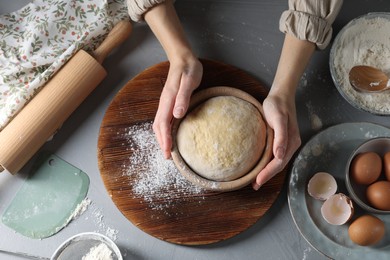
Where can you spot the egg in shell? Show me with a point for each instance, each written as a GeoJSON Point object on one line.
{"type": "Point", "coordinates": [366, 230]}
{"type": "Point", "coordinates": [366, 168]}
{"type": "Point", "coordinates": [378, 195]}
{"type": "Point", "coordinates": [386, 165]}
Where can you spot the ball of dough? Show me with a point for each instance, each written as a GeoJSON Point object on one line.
{"type": "Point", "coordinates": [222, 139]}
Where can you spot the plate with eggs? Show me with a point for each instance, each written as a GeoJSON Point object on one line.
{"type": "Point", "coordinates": [322, 207]}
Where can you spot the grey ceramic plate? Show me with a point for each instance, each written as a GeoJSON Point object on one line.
{"type": "Point", "coordinates": [329, 151]}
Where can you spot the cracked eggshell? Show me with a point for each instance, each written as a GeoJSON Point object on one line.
{"type": "Point", "coordinates": [322, 185]}
{"type": "Point", "coordinates": [337, 209]}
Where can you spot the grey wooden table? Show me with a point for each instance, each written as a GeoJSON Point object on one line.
{"type": "Point", "coordinates": [241, 33]}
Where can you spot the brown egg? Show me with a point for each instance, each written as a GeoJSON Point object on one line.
{"type": "Point", "coordinates": [386, 165]}
{"type": "Point", "coordinates": [366, 230]}
{"type": "Point", "coordinates": [366, 168]}
{"type": "Point", "coordinates": [378, 195]}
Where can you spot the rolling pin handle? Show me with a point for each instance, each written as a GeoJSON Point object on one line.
{"type": "Point", "coordinates": [115, 37]}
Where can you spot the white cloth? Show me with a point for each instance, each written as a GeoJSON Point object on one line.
{"type": "Point", "coordinates": [41, 37]}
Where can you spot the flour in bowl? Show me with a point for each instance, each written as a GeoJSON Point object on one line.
{"type": "Point", "coordinates": [99, 252]}
{"type": "Point", "coordinates": [365, 41]}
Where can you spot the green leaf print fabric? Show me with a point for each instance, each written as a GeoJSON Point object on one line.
{"type": "Point", "coordinates": [41, 37]}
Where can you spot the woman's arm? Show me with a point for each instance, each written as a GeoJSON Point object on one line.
{"type": "Point", "coordinates": [307, 25]}
{"type": "Point", "coordinates": [185, 71]}
{"type": "Point", "coordinates": [279, 106]}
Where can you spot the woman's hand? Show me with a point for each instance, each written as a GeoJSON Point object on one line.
{"type": "Point", "coordinates": [281, 117]}
{"type": "Point", "coordinates": [184, 77]}
{"type": "Point", "coordinates": [185, 71]}
{"type": "Point", "coordinates": [279, 106]}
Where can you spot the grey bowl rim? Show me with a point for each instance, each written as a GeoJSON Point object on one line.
{"type": "Point", "coordinates": [348, 183]}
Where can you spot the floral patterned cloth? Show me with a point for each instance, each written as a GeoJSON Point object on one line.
{"type": "Point", "coordinates": [40, 38]}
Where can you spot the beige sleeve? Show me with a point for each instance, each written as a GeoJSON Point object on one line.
{"type": "Point", "coordinates": [137, 8]}
{"type": "Point", "coordinates": [310, 20]}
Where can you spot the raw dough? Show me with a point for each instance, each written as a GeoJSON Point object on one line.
{"type": "Point", "coordinates": [222, 139]}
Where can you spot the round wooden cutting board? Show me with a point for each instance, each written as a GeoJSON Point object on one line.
{"type": "Point", "coordinates": [189, 218]}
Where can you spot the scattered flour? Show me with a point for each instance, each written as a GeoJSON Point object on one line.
{"type": "Point", "coordinates": [315, 120]}
{"type": "Point", "coordinates": [97, 218]}
{"type": "Point", "coordinates": [305, 253]}
{"type": "Point", "coordinates": [99, 252]}
{"type": "Point", "coordinates": [366, 42]}
{"type": "Point", "coordinates": [156, 180]}
{"type": "Point", "coordinates": [77, 212]}
{"type": "Point", "coordinates": [103, 228]}
{"type": "Point", "coordinates": [80, 209]}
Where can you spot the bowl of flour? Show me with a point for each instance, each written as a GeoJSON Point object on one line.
{"type": "Point", "coordinates": [88, 246]}
{"type": "Point", "coordinates": [363, 41]}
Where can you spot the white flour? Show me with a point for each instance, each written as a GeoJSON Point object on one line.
{"type": "Point", "coordinates": [315, 120]}
{"type": "Point", "coordinates": [77, 212]}
{"type": "Point", "coordinates": [99, 252]}
{"type": "Point", "coordinates": [305, 253]}
{"type": "Point", "coordinates": [80, 209]}
{"type": "Point", "coordinates": [99, 220]}
{"type": "Point", "coordinates": [366, 42]}
{"type": "Point", "coordinates": [157, 181]}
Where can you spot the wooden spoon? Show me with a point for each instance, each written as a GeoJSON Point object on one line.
{"type": "Point", "coordinates": [368, 79]}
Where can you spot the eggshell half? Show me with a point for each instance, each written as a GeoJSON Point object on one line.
{"type": "Point", "coordinates": [322, 185]}
{"type": "Point", "coordinates": [337, 209]}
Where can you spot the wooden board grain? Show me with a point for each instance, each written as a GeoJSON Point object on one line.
{"type": "Point", "coordinates": [186, 218]}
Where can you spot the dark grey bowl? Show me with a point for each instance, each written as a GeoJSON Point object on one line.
{"type": "Point", "coordinates": [380, 145]}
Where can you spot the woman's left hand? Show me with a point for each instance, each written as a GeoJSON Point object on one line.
{"type": "Point", "coordinates": [281, 116]}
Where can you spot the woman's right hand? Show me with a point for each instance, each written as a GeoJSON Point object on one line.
{"type": "Point", "coordinates": [185, 71]}
{"type": "Point", "coordinates": [184, 77]}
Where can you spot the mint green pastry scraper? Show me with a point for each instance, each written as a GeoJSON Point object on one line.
{"type": "Point", "coordinates": [47, 199]}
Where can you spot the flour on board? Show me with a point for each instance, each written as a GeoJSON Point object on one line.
{"type": "Point", "coordinates": [156, 180]}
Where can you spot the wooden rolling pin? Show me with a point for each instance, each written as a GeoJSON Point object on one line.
{"type": "Point", "coordinates": [57, 100]}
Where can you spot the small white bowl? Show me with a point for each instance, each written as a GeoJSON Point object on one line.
{"type": "Point", "coordinates": [379, 145]}
{"type": "Point", "coordinates": [79, 245]}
